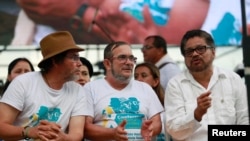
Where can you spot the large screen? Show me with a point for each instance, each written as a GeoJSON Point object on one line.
{"type": "Point", "coordinates": [103, 21]}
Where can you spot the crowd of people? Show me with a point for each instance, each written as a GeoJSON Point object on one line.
{"type": "Point", "coordinates": [150, 101]}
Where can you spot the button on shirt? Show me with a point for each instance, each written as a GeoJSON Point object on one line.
{"type": "Point", "coordinates": [229, 104]}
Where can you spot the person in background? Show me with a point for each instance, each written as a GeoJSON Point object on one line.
{"type": "Point", "coordinates": [155, 51]}
{"type": "Point", "coordinates": [17, 67]}
{"type": "Point", "coordinates": [239, 69]}
{"type": "Point", "coordinates": [149, 73]}
{"type": "Point", "coordinates": [46, 104]}
{"type": "Point", "coordinates": [86, 71]}
{"type": "Point", "coordinates": [119, 107]}
{"type": "Point", "coordinates": [203, 94]}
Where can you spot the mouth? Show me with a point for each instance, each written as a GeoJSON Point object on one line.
{"type": "Point", "coordinates": [127, 69]}
{"type": "Point", "coordinates": [196, 61]}
{"type": "Point", "coordinates": [77, 71]}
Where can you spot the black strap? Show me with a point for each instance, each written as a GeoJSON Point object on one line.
{"type": "Point", "coordinates": [162, 65]}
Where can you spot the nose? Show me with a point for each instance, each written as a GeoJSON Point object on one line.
{"type": "Point", "coordinates": [22, 72]}
{"type": "Point", "coordinates": [194, 53]}
{"type": "Point", "coordinates": [143, 50]}
{"type": "Point", "coordinates": [139, 78]}
{"type": "Point", "coordinates": [79, 63]}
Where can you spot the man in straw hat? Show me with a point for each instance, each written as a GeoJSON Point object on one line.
{"type": "Point", "coordinates": [44, 105]}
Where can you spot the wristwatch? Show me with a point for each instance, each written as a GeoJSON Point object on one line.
{"type": "Point", "coordinates": [76, 20]}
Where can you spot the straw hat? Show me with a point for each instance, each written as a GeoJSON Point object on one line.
{"type": "Point", "coordinates": [57, 43]}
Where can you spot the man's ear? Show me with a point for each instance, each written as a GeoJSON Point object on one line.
{"type": "Point", "coordinates": [106, 64]}
{"type": "Point", "coordinates": [8, 77]}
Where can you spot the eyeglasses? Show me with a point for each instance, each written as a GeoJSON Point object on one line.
{"type": "Point", "coordinates": [147, 47]}
{"type": "Point", "coordinates": [124, 58]}
{"type": "Point", "coordinates": [74, 57]}
{"type": "Point", "coordinates": [199, 49]}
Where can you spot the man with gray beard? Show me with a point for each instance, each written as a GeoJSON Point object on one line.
{"type": "Point", "coordinates": [119, 107]}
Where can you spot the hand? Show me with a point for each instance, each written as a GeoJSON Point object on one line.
{"type": "Point", "coordinates": [142, 30]}
{"type": "Point", "coordinates": [122, 26]}
{"type": "Point", "coordinates": [119, 133]}
{"type": "Point", "coordinates": [50, 12]}
{"type": "Point", "coordinates": [59, 137]}
{"type": "Point", "coordinates": [147, 130]}
{"type": "Point", "coordinates": [203, 103]}
{"type": "Point", "coordinates": [49, 131]}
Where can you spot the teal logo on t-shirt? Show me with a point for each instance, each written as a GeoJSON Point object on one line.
{"type": "Point", "coordinates": [44, 113]}
{"type": "Point", "coordinates": [121, 109]}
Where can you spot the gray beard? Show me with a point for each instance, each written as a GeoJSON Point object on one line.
{"type": "Point", "coordinates": [121, 78]}
{"type": "Point", "coordinates": [73, 77]}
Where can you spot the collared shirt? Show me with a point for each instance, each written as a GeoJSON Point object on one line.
{"type": "Point", "coordinates": [229, 104]}
{"type": "Point", "coordinates": [168, 70]}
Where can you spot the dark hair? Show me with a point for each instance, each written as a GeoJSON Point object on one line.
{"type": "Point", "coordinates": [108, 51]}
{"type": "Point", "coordinates": [110, 47]}
{"type": "Point", "coordinates": [47, 64]}
{"type": "Point", "coordinates": [159, 42]}
{"type": "Point", "coordinates": [156, 75]}
{"type": "Point", "coordinates": [87, 63]}
{"type": "Point", "coordinates": [196, 33]}
{"type": "Point", "coordinates": [11, 65]}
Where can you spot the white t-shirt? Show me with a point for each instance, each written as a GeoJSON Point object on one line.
{"type": "Point", "coordinates": [30, 94]}
{"type": "Point", "coordinates": [109, 107]}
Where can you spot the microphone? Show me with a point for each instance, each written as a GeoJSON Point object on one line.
{"type": "Point", "coordinates": [93, 21]}
{"type": "Point", "coordinates": [102, 29]}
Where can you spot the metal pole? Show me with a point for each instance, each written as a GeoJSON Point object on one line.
{"type": "Point", "coordinates": [246, 50]}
